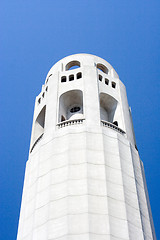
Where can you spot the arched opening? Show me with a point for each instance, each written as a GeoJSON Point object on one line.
{"type": "Point", "coordinates": [71, 105]}
{"type": "Point", "coordinates": [103, 68]}
{"type": "Point", "coordinates": [39, 124]}
{"type": "Point", "coordinates": [108, 106]}
{"type": "Point", "coordinates": [72, 65]}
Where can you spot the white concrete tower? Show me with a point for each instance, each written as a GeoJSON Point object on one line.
{"type": "Point", "coordinates": [84, 179]}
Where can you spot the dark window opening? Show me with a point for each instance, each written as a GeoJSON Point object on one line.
{"type": "Point", "coordinates": [106, 81]}
{"type": "Point", "coordinates": [43, 95]}
{"type": "Point", "coordinates": [39, 100]}
{"type": "Point", "coordinates": [102, 68]}
{"type": "Point", "coordinates": [46, 89]}
{"type": "Point", "coordinates": [100, 78]}
{"type": "Point", "coordinates": [115, 123]}
{"type": "Point", "coordinates": [79, 75]}
{"type": "Point", "coordinates": [63, 79]}
{"type": "Point", "coordinates": [113, 85]}
{"type": "Point", "coordinates": [75, 109]}
{"type": "Point", "coordinates": [71, 77]}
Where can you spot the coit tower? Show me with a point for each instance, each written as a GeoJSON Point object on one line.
{"type": "Point", "coordinates": [84, 179]}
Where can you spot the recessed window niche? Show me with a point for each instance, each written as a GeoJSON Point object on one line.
{"type": "Point", "coordinates": [108, 106]}
{"type": "Point", "coordinates": [71, 105]}
{"type": "Point", "coordinates": [39, 124]}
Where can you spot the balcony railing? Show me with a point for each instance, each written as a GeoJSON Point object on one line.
{"type": "Point", "coordinates": [35, 143]}
{"type": "Point", "coordinates": [111, 125]}
{"type": "Point", "coordinates": [70, 122]}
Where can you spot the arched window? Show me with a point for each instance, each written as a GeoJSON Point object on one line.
{"type": "Point", "coordinates": [72, 65]}
{"type": "Point", "coordinates": [71, 105]}
{"type": "Point", "coordinates": [108, 106]}
{"type": "Point", "coordinates": [102, 68]}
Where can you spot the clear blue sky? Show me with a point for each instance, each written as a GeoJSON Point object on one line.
{"type": "Point", "coordinates": [36, 34]}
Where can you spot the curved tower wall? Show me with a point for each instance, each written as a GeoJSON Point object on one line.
{"type": "Point", "coordinates": [84, 178]}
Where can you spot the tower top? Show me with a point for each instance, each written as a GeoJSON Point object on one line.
{"type": "Point", "coordinates": [81, 60]}
{"type": "Point", "coordinates": [81, 88]}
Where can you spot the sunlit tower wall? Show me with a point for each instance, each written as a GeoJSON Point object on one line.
{"type": "Point", "coordinates": [84, 179]}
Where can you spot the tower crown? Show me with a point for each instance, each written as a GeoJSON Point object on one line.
{"type": "Point", "coordinates": [82, 89]}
